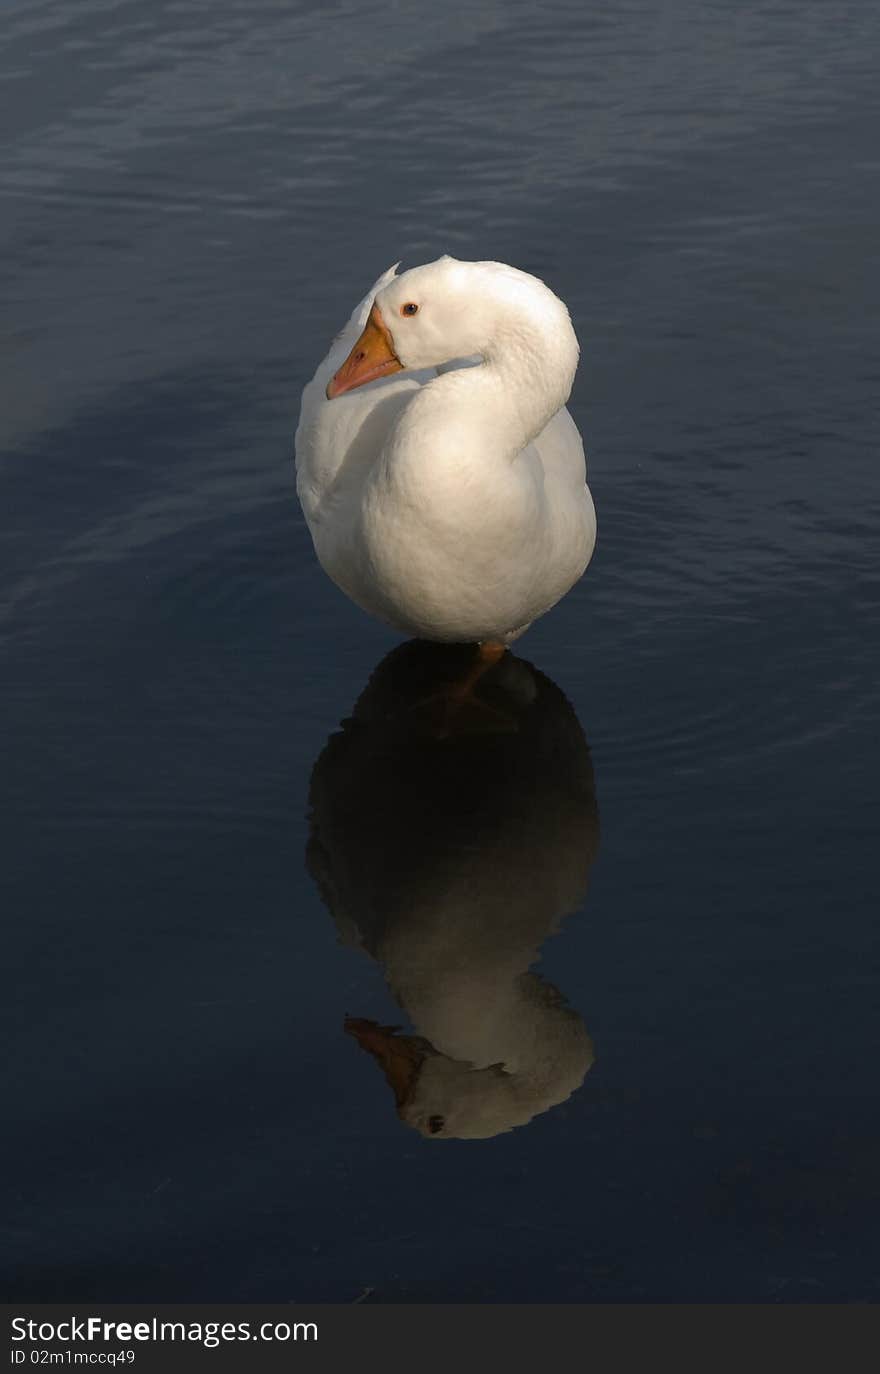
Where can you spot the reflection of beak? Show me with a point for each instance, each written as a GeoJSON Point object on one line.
{"type": "Point", "coordinates": [401, 1056]}
{"type": "Point", "coordinates": [372, 356]}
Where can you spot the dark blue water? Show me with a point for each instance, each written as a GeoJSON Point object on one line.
{"type": "Point", "coordinates": [193, 198]}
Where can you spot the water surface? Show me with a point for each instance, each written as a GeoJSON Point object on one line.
{"type": "Point", "coordinates": [194, 197]}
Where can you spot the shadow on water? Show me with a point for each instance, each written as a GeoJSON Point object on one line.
{"type": "Point", "coordinates": [449, 850]}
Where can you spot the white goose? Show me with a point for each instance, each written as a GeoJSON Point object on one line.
{"type": "Point", "coordinates": [449, 501]}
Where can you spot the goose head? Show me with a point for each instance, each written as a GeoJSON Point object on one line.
{"type": "Point", "coordinates": [447, 310]}
{"type": "Point", "coordinates": [547, 1054]}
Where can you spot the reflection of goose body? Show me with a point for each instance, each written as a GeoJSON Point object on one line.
{"type": "Point", "coordinates": [446, 498]}
{"type": "Point", "coordinates": [450, 859]}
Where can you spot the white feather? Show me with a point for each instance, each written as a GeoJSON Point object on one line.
{"type": "Point", "coordinates": [450, 499]}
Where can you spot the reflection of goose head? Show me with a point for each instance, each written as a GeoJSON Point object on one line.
{"type": "Point", "coordinates": [450, 857]}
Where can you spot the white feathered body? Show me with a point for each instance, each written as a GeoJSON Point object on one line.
{"type": "Point", "coordinates": [450, 501]}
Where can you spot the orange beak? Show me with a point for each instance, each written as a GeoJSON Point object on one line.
{"type": "Point", "coordinates": [401, 1056]}
{"type": "Point", "coordinates": [372, 356]}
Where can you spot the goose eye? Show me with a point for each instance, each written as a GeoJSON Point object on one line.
{"type": "Point", "coordinates": [436, 1124]}
{"type": "Point", "coordinates": [409, 309]}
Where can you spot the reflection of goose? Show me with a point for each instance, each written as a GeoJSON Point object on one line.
{"type": "Point", "coordinates": [450, 858]}
{"type": "Point", "coordinates": [449, 500]}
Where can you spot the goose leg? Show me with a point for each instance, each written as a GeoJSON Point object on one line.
{"type": "Point", "coordinates": [460, 709]}
{"type": "Point", "coordinates": [489, 653]}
